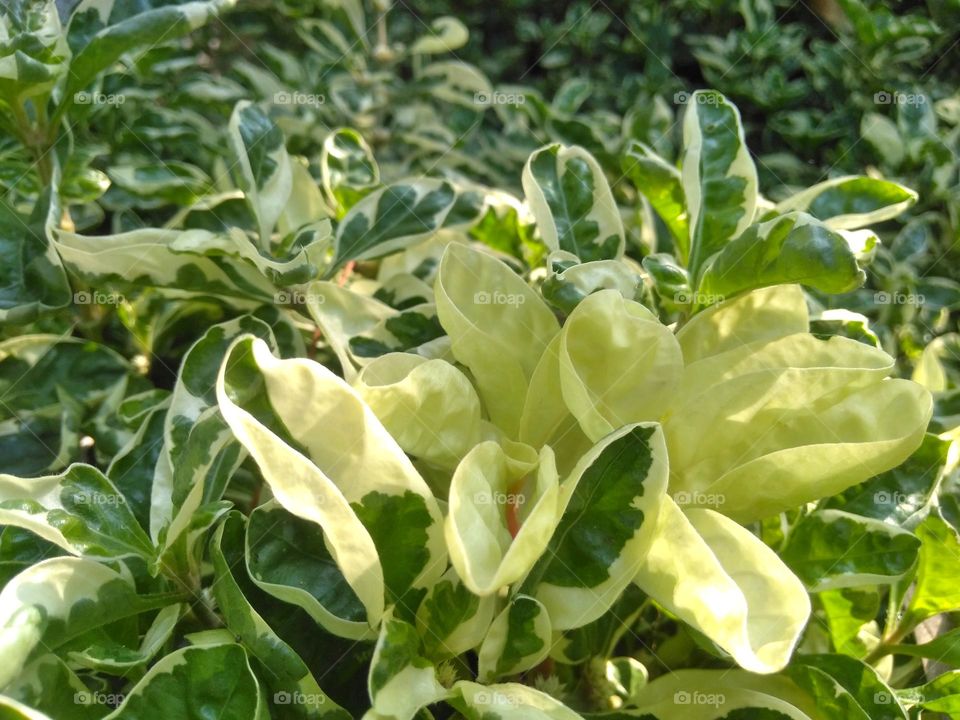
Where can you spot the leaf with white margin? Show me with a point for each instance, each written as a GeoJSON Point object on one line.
{"type": "Point", "coordinates": [285, 670]}
{"type": "Point", "coordinates": [428, 406]}
{"type": "Point", "coordinates": [454, 82]}
{"type": "Point", "coordinates": [501, 513]}
{"type": "Point", "coordinates": [765, 314]}
{"type": "Point", "coordinates": [508, 701]}
{"type": "Point", "coordinates": [662, 186]}
{"type": "Point", "coordinates": [718, 577]}
{"type": "Point", "coordinates": [571, 200]}
{"type": "Point", "coordinates": [413, 329]}
{"type": "Point", "coordinates": [447, 35]}
{"type": "Point", "coordinates": [723, 695]}
{"type": "Point", "coordinates": [570, 281]}
{"type": "Point", "coordinates": [852, 201]}
{"type": "Point", "coordinates": [793, 248]}
{"type": "Point", "coordinates": [610, 505]}
{"type": "Point", "coordinates": [59, 599]}
{"type": "Point", "coordinates": [452, 620]}
{"type": "Point", "coordinates": [199, 454]}
{"type": "Point", "coordinates": [50, 686]}
{"type": "Point", "coordinates": [197, 682]}
{"type": "Point", "coordinates": [101, 31]}
{"type": "Point", "coordinates": [147, 258]}
{"type": "Point", "coordinates": [401, 681]}
{"type": "Point", "coordinates": [79, 510]}
{"type": "Point", "coordinates": [287, 557]}
{"type": "Point", "coordinates": [831, 549]}
{"type": "Point", "coordinates": [718, 175]}
{"type": "Point", "coordinates": [401, 214]}
{"type": "Point", "coordinates": [498, 328]}
{"type": "Point", "coordinates": [259, 153]}
{"type": "Point", "coordinates": [34, 52]}
{"type": "Point", "coordinates": [618, 363]}
{"type": "Point", "coordinates": [518, 639]}
{"type": "Point", "coordinates": [817, 415]}
{"type": "Point", "coordinates": [348, 170]}
{"type": "Point", "coordinates": [329, 460]}
{"type": "Point", "coordinates": [116, 659]}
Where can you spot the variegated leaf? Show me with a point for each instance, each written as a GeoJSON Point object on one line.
{"type": "Point", "coordinates": [718, 176]}
{"type": "Point", "coordinates": [852, 201]}
{"type": "Point", "coordinates": [571, 200]}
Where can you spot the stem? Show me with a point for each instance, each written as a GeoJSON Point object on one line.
{"type": "Point", "coordinates": [887, 644]}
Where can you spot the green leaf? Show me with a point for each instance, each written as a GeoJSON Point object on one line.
{"type": "Point", "coordinates": [793, 248]}
{"type": "Point", "coordinates": [718, 175]}
{"type": "Point", "coordinates": [571, 200]}
{"type": "Point", "coordinates": [943, 648]}
{"type": "Point", "coordinates": [940, 695]}
{"type": "Point", "coordinates": [285, 670]}
{"type": "Point", "coordinates": [831, 549]}
{"type": "Point", "coordinates": [662, 186]}
{"type": "Point", "coordinates": [399, 215]}
{"type": "Point", "coordinates": [845, 688]}
{"type": "Point", "coordinates": [936, 590]}
{"type": "Point", "coordinates": [80, 510]}
{"type": "Point", "coordinates": [851, 202]}
{"type": "Point", "coordinates": [194, 683]}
